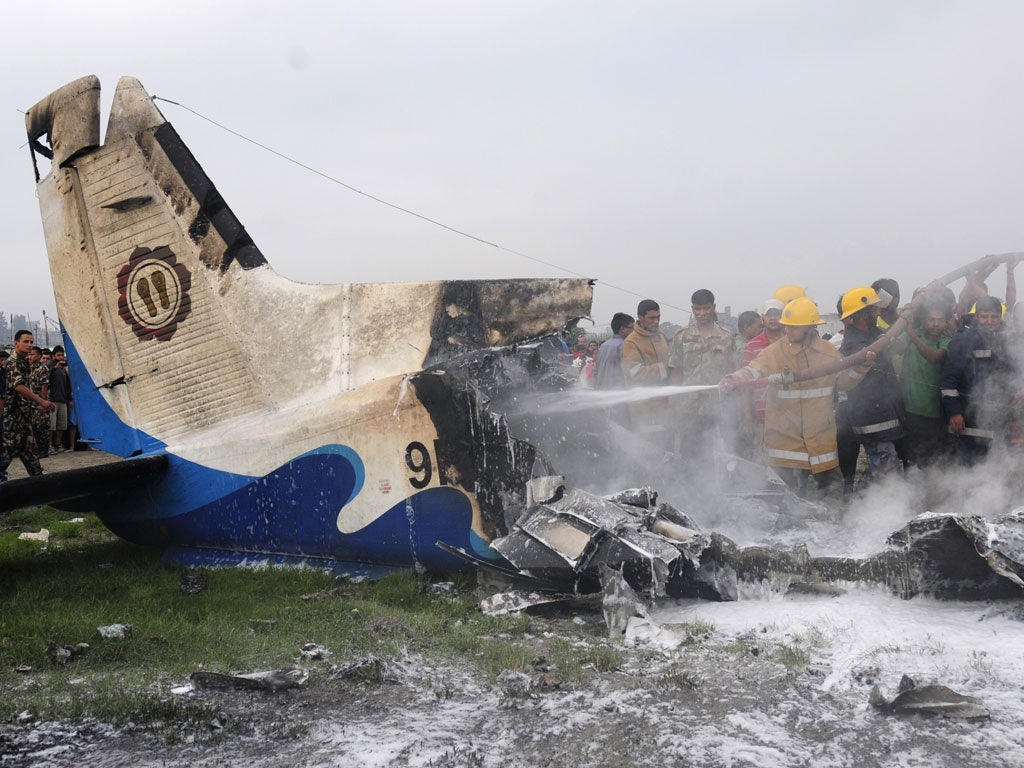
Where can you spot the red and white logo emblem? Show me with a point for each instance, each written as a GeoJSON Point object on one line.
{"type": "Point", "coordinates": [153, 293]}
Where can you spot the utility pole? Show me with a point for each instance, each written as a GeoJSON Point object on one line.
{"type": "Point", "coordinates": [46, 331]}
{"type": "Point", "coordinates": [55, 324]}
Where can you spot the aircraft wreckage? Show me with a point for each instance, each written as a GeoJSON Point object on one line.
{"type": "Point", "coordinates": [571, 542]}
{"type": "Point", "coordinates": [386, 446]}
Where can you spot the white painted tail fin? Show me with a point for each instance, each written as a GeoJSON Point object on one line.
{"type": "Point", "coordinates": [174, 321]}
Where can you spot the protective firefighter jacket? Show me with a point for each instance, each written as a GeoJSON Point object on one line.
{"type": "Point", "coordinates": [645, 363]}
{"type": "Point", "coordinates": [974, 380]}
{"type": "Point", "coordinates": [873, 412]}
{"type": "Point", "coordinates": [645, 358]}
{"type": "Point", "coordinates": [800, 423]}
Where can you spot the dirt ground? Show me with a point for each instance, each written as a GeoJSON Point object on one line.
{"type": "Point", "coordinates": [722, 702]}
{"type": "Point", "coordinates": [61, 462]}
{"type": "Point", "coordinates": [750, 696]}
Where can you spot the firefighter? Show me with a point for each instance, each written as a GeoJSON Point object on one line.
{"type": "Point", "coordinates": [872, 414]}
{"type": "Point", "coordinates": [979, 383]}
{"type": "Point", "coordinates": [800, 425]}
{"type": "Point", "coordinates": [786, 293]}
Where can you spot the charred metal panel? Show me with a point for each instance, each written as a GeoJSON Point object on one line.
{"type": "Point", "coordinates": [958, 556]}
{"type": "Point", "coordinates": [500, 575]}
{"type": "Point", "coordinates": [475, 449]}
{"type": "Point", "coordinates": [631, 542]}
{"type": "Point", "coordinates": [239, 245]}
{"type": "Point", "coordinates": [514, 310]}
{"type": "Point", "coordinates": [528, 554]}
{"type": "Point", "coordinates": [572, 539]}
{"type": "Point", "coordinates": [594, 510]}
{"type": "Point", "coordinates": [70, 118]}
{"type": "Point", "coordinates": [514, 601]}
{"type": "Point", "coordinates": [458, 326]}
{"type": "Point", "coordinates": [480, 313]}
{"type": "Point", "coordinates": [914, 699]}
{"type": "Point", "coordinates": [619, 603]}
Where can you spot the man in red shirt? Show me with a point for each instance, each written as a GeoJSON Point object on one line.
{"type": "Point", "coordinates": [773, 331]}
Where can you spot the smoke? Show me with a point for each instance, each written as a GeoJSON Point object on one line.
{"type": "Point", "coordinates": [581, 435]}
{"type": "Point", "coordinates": [865, 520]}
{"type": "Point", "coordinates": [990, 489]}
{"type": "Point", "coordinates": [582, 399]}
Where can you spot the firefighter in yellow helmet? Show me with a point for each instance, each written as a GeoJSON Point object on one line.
{"type": "Point", "coordinates": [980, 384]}
{"type": "Point", "coordinates": [871, 415]}
{"type": "Point", "coordinates": [800, 425]}
{"type": "Point", "coordinates": [786, 293]}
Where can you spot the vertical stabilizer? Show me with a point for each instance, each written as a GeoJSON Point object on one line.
{"type": "Point", "coordinates": [128, 226]}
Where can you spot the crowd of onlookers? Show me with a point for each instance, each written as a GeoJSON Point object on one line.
{"type": "Point", "coordinates": [934, 381]}
{"type": "Point", "coordinates": [36, 404]}
{"type": "Point", "coordinates": [927, 383]}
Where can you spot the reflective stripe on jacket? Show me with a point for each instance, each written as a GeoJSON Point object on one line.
{"type": "Point", "coordinates": [976, 381]}
{"type": "Point", "coordinates": [873, 411]}
{"type": "Point", "coordinates": [800, 424]}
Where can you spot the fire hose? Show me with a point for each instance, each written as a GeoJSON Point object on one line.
{"type": "Point", "coordinates": [892, 333]}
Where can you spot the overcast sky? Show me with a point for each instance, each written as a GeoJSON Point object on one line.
{"type": "Point", "coordinates": [659, 147]}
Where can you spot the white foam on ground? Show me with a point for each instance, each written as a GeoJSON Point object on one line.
{"type": "Point", "coordinates": [815, 716]}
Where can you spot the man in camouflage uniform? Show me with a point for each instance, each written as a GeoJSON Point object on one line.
{"type": "Point", "coordinates": [703, 353]}
{"type": "Point", "coordinates": [39, 383]}
{"type": "Point", "coordinates": [3, 396]}
{"type": "Point", "coordinates": [19, 406]}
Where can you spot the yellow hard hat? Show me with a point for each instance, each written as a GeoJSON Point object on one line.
{"type": "Point", "coordinates": [855, 300]}
{"type": "Point", "coordinates": [801, 311]}
{"type": "Point", "coordinates": [787, 293]}
{"type": "Point", "coordinates": [974, 309]}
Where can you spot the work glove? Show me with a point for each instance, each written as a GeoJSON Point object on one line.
{"type": "Point", "coordinates": [783, 379]}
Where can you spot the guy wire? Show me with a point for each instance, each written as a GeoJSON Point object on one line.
{"type": "Point", "coordinates": [421, 216]}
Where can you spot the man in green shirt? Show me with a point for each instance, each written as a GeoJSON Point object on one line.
{"type": "Point", "coordinates": [927, 343]}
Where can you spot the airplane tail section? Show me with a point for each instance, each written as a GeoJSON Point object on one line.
{"type": "Point", "coordinates": [128, 226]}
{"type": "Point", "coordinates": [297, 420]}
{"type": "Point", "coordinates": [177, 329]}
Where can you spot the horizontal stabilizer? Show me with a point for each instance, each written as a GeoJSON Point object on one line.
{"type": "Point", "coordinates": [77, 483]}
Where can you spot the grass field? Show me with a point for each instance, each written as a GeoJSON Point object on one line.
{"type": "Point", "coordinates": [243, 620]}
